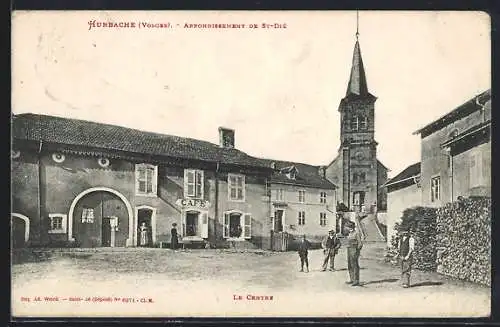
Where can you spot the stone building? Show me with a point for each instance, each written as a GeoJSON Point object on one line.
{"type": "Point", "coordinates": [88, 184]}
{"type": "Point", "coordinates": [455, 161]}
{"type": "Point", "coordinates": [456, 153]}
{"type": "Point", "coordinates": [302, 199]}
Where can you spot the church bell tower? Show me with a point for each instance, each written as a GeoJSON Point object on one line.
{"type": "Point", "coordinates": [358, 148]}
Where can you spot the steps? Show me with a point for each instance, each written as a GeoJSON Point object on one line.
{"type": "Point", "coordinates": [371, 230]}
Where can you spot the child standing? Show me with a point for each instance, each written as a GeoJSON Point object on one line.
{"type": "Point", "coordinates": [304, 246]}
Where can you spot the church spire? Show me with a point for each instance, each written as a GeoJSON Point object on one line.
{"type": "Point", "coordinates": [357, 81]}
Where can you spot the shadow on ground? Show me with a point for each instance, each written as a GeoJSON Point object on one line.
{"type": "Point", "coordinates": [388, 280]}
{"type": "Point", "coordinates": [427, 284]}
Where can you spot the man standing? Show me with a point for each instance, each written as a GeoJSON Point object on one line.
{"type": "Point", "coordinates": [174, 239]}
{"type": "Point", "coordinates": [354, 246]}
{"type": "Point", "coordinates": [406, 248]}
{"type": "Point", "coordinates": [303, 249]}
{"type": "Point", "coordinates": [330, 245]}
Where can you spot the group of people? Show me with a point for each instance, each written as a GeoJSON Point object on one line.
{"type": "Point", "coordinates": [354, 242]}
{"type": "Point", "coordinates": [144, 236]}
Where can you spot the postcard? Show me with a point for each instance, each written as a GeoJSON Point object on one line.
{"type": "Point", "coordinates": [251, 164]}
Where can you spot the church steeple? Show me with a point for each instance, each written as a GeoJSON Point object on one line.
{"type": "Point", "coordinates": [357, 81]}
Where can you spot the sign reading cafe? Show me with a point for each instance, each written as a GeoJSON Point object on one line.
{"type": "Point", "coordinates": [193, 203]}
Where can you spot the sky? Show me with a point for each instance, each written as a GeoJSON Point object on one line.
{"type": "Point", "coordinates": [278, 88]}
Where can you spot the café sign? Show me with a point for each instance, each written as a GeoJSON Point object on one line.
{"type": "Point", "coordinates": [193, 203]}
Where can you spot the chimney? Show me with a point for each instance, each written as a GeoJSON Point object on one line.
{"type": "Point", "coordinates": [322, 171]}
{"type": "Point", "coordinates": [226, 138]}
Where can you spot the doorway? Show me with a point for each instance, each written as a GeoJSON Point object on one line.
{"type": "Point", "coordinates": [106, 232]}
{"type": "Point", "coordinates": [358, 200]}
{"type": "Point", "coordinates": [18, 232]}
{"type": "Point", "coordinates": [144, 218]}
{"type": "Point", "coordinates": [278, 221]}
{"type": "Point", "coordinates": [192, 220]}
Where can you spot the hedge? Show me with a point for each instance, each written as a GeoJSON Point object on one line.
{"type": "Point", "coordinates": [464, 240]}
{"type": "Point", "coordinates": [422, 220]}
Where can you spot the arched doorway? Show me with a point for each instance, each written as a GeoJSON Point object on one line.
{"type": "Point", "coordinates": [101, 217]}
{"type": "Point", "coordinates": [20, 230]}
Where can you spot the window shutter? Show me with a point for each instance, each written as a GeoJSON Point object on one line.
{"type": "Point", "coordinates": [184, 226]}
{"type": "Point", "coordinates": [155, 180]}
{"type": "Point", "coordinates": [225, 231]}
{"type": "Point", "coordinates": [247, 231]}
{"type": "Point", "coordinates": [204, 225]}
{"type": "Point", "coordinates": [199, 184]}
{"type": "Point", "coordinates": [189, 183]}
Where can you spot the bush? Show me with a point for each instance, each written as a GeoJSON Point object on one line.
{"type": "Point", "coordinates": [422, 221]}
{"type": "Point", "coordinates": [464, 240]}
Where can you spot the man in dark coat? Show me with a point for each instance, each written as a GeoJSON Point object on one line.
{"type": "Point", "coordinates": [405, 253]}
{"type": "Point", "coordinates": [354, 246]}
{"type": "Point", "coordinates": [330, 245]}
{"type": "Point", "coordinates": [174, 240]}
{"type": "Point", "coordinates": [303, 249]}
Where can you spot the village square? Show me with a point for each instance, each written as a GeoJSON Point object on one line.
{"type": "Point", "coordinates": [105, 215]}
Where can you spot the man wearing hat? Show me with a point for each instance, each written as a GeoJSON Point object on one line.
{"type": "Point", "coordinates": [354, 246]}
{"type": "Point", "coordinates": [330, 245]}
{"type": "Point", "coordinates": [406, 248]}
{"type": "Point", "coordinates": [303, 249]}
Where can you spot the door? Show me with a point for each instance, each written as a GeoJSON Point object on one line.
{"type": "Point", "coordinates": [278, 221]}
{"type": "Point", "coordinates": [106, 232]}
{"type": "Point", "coordinates": [358, 200]}
{"type": "Point", "coordinates": [18, 231]}
{"type": "Point", "coordinates": [91, 228]}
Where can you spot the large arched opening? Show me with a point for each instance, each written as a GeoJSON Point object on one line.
{"type": "Point", "coordinates": [101, 217]}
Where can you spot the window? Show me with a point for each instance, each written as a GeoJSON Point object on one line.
{"type": "Point", "coordinates": [435, 188]}
{"type": "Point", "coordinates": [302, 196]}
{"type": "Point", "coordinates": [237, 225]}
{"type": "Point", "coordinates": [146, 177]}
{"type": "Point", "coordinates": [354, 123]}
{"type": "Point", "coordinates": [359, 178]}
{"type": "Point", "coordinates": [322, 219]}
{"type": "Point", "coordinates": [476, 170]}
{"type": "Point", "coordinates": [88, 216]}
{"type": "Point", "coordinates": [280, 195]}
{"type": "Point", "coordinates": [57, 223]}
{"type": "Point", "coordinates": [236, 184]}
{"type": "Point", "coordinates": [193, 183]}
{"type": "Point", "coordinates": [363, 124]}
{"type": "Point", "coordinates": [302, 218]}
{"type": "Point", "coordinates": [322, 197]}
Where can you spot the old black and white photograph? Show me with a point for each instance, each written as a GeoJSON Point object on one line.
{"type": "Point", "coordinates": [251, 164]}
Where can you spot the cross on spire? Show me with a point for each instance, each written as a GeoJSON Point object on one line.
{"type": "Point", "coordinates": [357, 24]}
